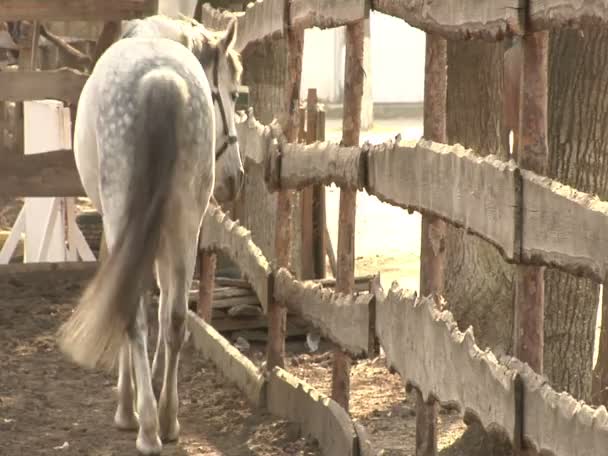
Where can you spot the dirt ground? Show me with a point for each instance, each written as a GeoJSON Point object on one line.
{"type": "Point", "coordinates": [49, 406]}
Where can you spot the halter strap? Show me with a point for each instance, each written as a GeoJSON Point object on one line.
{"type": "Point", "coordinates": [217, 98]}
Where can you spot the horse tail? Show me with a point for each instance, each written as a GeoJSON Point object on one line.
{"type": "Point", "coordinates": [98, 327]}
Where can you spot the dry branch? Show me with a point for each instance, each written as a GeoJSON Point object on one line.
{"type": "Point", "coordinates": [65, 47]}
{"type": "Point", "coordinates": [220, 233]}
{"type": "Point", "coordinates": [64, 85]}
{"type": "Point", "coordinates": [344, 319]}
{"type": "Point", "coordinates": [72, 10]}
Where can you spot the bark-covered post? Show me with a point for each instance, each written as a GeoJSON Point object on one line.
{"type": "Point", "coordinates": [206, 264]}
{"type": "Point", "coordinates": [533, 154]}
{"type": "Point", "coordinates": [351, 126]}
{"type": "Point", "coordinates": [307, 198]}
{"type": "Point", "coordinates": [277, 314]}
{"type": "Point", "coordinates": [432, 249]}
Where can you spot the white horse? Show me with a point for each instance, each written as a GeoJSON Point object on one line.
{"type": "Point", "coordinates": [146, 150]}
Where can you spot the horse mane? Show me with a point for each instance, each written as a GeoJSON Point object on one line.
{"type": "Point", "coordinates": [203, 40]}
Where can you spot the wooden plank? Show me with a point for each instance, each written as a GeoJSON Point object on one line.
{"type": "Point", "coordinates": [466, 19]}
{"type": "Point", "coordinates": [76, 10]}
{"type": "Point", "coordinates": [328, 13]}
{"type": "Point", "coordinates": [556, 423]}
{"type": "Point", "coordinates": [547, 14]}
{"type": "Point", "coordinates": [452, 183]}
{"type": "Point", "coordinates": [63, 85]}
{"type": "Point", "coordinates": [320, 417]}
{"type": "Point", "coordinates": [425, 346]}
{"type": "Point", "coordinates": [563, 227]}
{"type": "Point", "coordinates": [47, 174]}
{"type": "Point", "coordinates": [221, 233]}
{"type": "Point", "coordinates": [322, 163]}
{"type": "Point", "coordinates": [235, 367]}
{"type": "Point", "coordinates": [342, 318]}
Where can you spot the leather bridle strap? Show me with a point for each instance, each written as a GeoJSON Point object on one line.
{"type": "Point", "coordinates": [217, 98]}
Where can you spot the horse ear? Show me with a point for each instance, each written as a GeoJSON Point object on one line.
{"type": "Point", "coordinates": [229, 39]}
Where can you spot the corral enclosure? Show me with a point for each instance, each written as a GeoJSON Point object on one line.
{"type": "Point", "coordinates": [531, 219]}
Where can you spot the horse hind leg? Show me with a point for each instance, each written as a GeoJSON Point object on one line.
{"type": "Point", "coordinates": [176, 273]}
{"type": "Point", "coordinates": [125, 417]}
{"type": "Point", "coordinates": [163, 323]}
{"type": "Point", "coordinates": [148, 441]}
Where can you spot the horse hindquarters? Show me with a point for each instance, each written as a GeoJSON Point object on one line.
{"type": "Point", "coordinates": [97, 329]}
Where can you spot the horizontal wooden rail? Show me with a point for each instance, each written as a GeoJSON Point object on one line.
{"type": "Point", "coordinates": [46, 174]}
{"type": "Point", "coordinates": [76, 10]}
{"type": "Point", "coordinates": [425, 346]}
{"type": "Point", "coordinates": [219, 232]}
{"type": "Point", "coordinates": [344, 319]}
{"type": "Point", "coordinates": [64, 85]}
{"type": "Point", "coordinates": [327, 13]}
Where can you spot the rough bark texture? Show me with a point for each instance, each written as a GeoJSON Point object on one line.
{"type": "Point", "coordinates": [578, 141]}
{"type": "Point", "coordinates": [478, 282]}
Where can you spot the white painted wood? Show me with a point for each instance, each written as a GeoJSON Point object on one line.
{"type": "Point", "coordinates": [11, 243]}
{"type": "Point", "coordinates": [49, 229]}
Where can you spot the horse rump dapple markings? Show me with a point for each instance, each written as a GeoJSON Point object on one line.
{"type": "Point", "coordinates": [154, 138]}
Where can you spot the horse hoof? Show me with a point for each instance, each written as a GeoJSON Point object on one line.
{"type": "Point", "coordinates": [170, 433]}
{"type": "Point", "coordinates": [126, 421]}
{"type": "Point", "coordinates": [148, 446]}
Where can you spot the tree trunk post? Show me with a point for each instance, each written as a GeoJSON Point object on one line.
{"type": "Point", "coordinates": [351, 126]}
{"type": "Point", "coordinates": [207, 263]}
{"type": "Point", "coordinates": [432, 248]}
{"type": "Point", "coordinates": [533, 154]}
{"type": "Point", "coordinates": [307, 202]}
{"type": "Point", "coordinates": [277, 315]}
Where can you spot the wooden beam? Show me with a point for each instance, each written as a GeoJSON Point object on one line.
{"type": "Point", "coordinates": [47, 174]}
{"type": "Point", "coordinates": [76, 10]}
{"type": "Point", "coordinates": [548, 14]}
{"type": "Point", "coordinates": [351, 129]}
{"type": "Point", "coordinates": [328, 13]}
{"type": "Point", "coordinates": [206, 263]}
{"type": "Point", "coordinates": [63, 85]}
{"type": "Point", "coordinates": [342, 318]}
{"type": "Point", "coordinates": [434, 230]}
{"type": "Point", "coordinates": [533, 154]}
{"type": "Point", "coordinates": [489, 20]}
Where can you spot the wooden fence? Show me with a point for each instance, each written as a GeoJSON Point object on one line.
{"type": "Point", "coordinates": [531, 219]}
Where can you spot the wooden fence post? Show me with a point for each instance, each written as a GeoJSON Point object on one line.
{"type": "Point", "coordinates": [533, 154]}
{"type": "Point", "coordinates": [275, 353]}
{"type": "Point", "coordinates": [432, 249]}
{"type": "Point", "coordinates": [207, 263]}
{"type": "Point", "coordinates": [353, 94]}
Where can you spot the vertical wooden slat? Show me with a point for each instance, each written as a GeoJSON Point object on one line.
{"type": "Point", "coordinates": [275, 353]}
{"type": "Point", "coordinates": [207, 264]}
{"type": "Point", "coordinates": [432, 251]}
{"type": "Point", "coordinates": [353, 94]}
{"type": "Point", "coordinates": [533, 154]}
{"type": "Point", "coordinates": [308, 271]}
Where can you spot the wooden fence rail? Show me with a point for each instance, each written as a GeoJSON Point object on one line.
{"type": "Point", "coordinates": [425, 346]}
{"type": "Point", "coordinates": [82, 10]}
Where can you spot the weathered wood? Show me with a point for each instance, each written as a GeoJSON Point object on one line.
{"type": "Point", "coordinates": [237, 368]}
{"type": "Point", "coordinates": [328, 13]}
{"type": "Point", "coordinates": [480, 194]}
{"type": "Point", "coordinates": [306, 195]}
{"type": "Point", "coordinates": [563, 227]}
{"type": "Point", "coordinates": [547, 14]}
{"type": "Point", "coordinates": [322, 163]}
{"type": "Point", "coordinates": [434, 230]}
{"type": "Point", "coordinates": [342, 318]}
{"type": "Point", "coordinates": [221, 233]}
{"type": "Point", "coordinates": [206, 263]}
{"type": "Point", "coordinates": [320, 417]}
{"type": "Point", "coordinates": [64, 85]}
{"type": "Point", "coordinates": [76, 10]}
{"type": "Point", "coordinates": [458, 20]}
{"type": "Point", "coordinates": [533, 154]}
{"type": "Point", "coordinates": [425, 346]}
{"type": "Point", "coordinates": [556, 423]}
{"type": "Point", "coordinates": [47, 174]}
